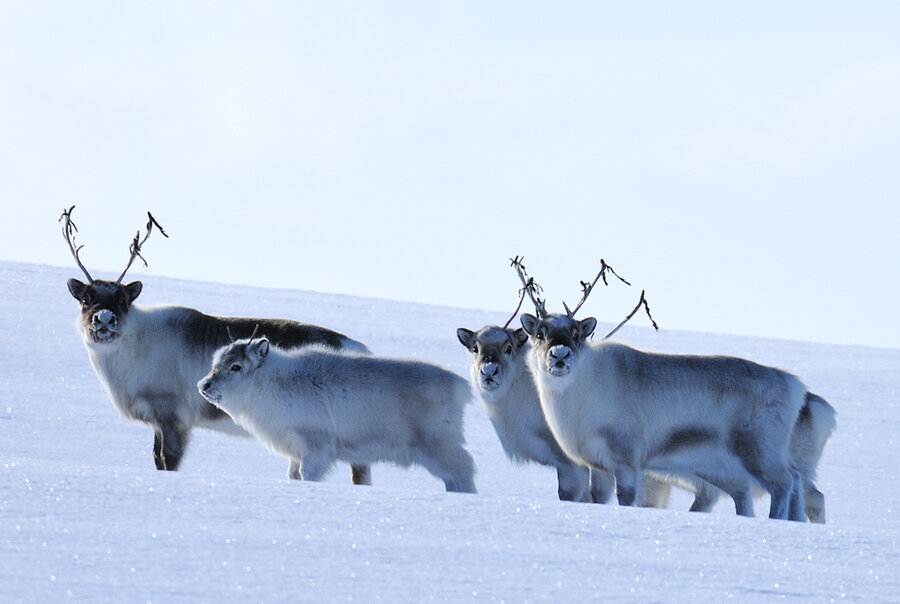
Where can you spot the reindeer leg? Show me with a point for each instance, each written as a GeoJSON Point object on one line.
{"type": "Point", "coordinates": [158, 458]}
{"type": "Point", "coordinates": [603, 485]}
{"type": "Point", "coordinates": [798, 503]}
{"type": "Point", "coordinates": [629, 482]}
{"type": "Point", "coordinates": [450, 462]}
{"type": "Point", "coordinates": [656, 493]}
{"type": "Point", "coordinates": [706, 497]}
{"type": "Point", "coordinates": [574, 482]}
{"type": "Point", "coordinates": [360, 474]}
{"type": "Point", "coordinates": [315, 465]}
{"type": "Point", "coordinates": [169, 444]}
{"type": "Point", "coordinates": [815, 503]}
{"type": "Point", "coordinates": [294, 469]}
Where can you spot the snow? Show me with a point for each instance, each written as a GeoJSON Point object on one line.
{"type": "Point", "coordinates": [85, 516]}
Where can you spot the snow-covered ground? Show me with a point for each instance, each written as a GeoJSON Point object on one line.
{"type": "Point", "coordinates": [85, 516]}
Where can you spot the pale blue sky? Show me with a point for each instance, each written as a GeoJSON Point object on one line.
{"type": "Point", "coordinates": [740, 161]}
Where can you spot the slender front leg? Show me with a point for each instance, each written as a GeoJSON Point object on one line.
{"type": "Point", "coordinates": [315, 465]}
{"type": "Point", "coordinates": [603, 485]}
{"type": "Point", "coordinates": [628, 483]}
{"type": "Point", "coordinates": [360, 474]}
{"type": "Point", "coordinates": [574, 482]}
{"type": "Point", "coordinates": [169, 443]}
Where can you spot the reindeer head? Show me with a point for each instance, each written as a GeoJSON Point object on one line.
{"type": "Point", "coordinates": [494, 353]}
{"type": "Point", "coordinates": [558, 340]}
{"type": "Point", "coordinates": [104, 304]}
{"type": "Point", "coordinates": [104, 308]}
{"type": "Point", "coordinates": [232, 370]}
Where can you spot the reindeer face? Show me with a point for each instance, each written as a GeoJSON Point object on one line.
{"type": "Point", "coordinates": [104, 308]}
{"type": "Point", "coordinates": [232, 369]}
{"type": "Point", "coordinates": [558, 341]}
{"type": "Point", "coordinates": [494, 351]}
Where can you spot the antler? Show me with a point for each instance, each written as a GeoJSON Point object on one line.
{"type": "Point", "coordinates": [135, 247]}
{"type": "Point", "coordinates": [586, 287]}
{"type": "Point", "coordinates": [68, 230]}
{"type": "Point", "coordinates": [530, 287]}
{"type": "Point", "coordinates": [641, 302]}
{"type": "Point", "coordinates": [518, 308]}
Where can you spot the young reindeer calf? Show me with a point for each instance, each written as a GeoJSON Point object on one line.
{"type": "Point", "coordinates": [316, 405]}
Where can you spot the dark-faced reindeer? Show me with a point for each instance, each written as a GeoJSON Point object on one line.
{"type": "Point", "coordinates": [150, 359]}
{"type": "Point", "coordinates": [723, 420]}
{"type": "Point", "coordinates": [316, 405]}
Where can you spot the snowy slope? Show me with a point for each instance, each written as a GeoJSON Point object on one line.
{"type": "Point", "coordinates": [84, 516]}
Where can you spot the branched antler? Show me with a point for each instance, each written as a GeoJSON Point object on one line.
{"type": "Point", "coordinates": [135, 247]}
{"type": "Point", "coordinates": [586, 287]}
{"type": "Point", "coordinates": [530, 287]}
{"type": "Point", "coordinates": [641, 302]}
{"type": "Point", "coordinates": [68, 230]}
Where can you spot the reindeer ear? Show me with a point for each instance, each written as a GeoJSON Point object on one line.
{"type": "Point", "coordinates": [587, 327]}
{"type": "Point", "coordinates": [466, 336]}
{"type": "Point", "coordinates": [520, 337]}
{"type": "Point", "coordinates": [529, 323]}
{"type": "Point", "coordinates": [76, 288]}
{"type": "Point", "coordinates": [134, 290]}
{"type": "Point", "coordinates": [260, 348]}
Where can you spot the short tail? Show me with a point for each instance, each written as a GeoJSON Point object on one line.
{"type": "Point", "coordinates": [815, 424]}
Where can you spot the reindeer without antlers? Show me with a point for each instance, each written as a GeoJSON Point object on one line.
{"type": "Point", "coordinates": [722, 420]}
{"type": "Point", "coordinates": [150, 360]}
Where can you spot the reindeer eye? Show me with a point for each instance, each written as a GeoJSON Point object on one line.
{"type": "Point", "coordinates": [509, 349]}
{"type": "Point", "coordinates": [540, 334]}
{"type": "Point", "coordinates": [475, 348]}
{"type": "Point", "coordinates": [236, 368]}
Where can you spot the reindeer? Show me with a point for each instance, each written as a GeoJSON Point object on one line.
{"type": "Point", "coordinates": [149, 360]}
{"type": "Point", "coordinates": [723, 420]}
{"type": "Point", "coordinates": [316, 405]}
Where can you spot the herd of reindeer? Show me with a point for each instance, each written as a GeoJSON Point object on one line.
{"type": "Point", "coordinates": [611, 419]}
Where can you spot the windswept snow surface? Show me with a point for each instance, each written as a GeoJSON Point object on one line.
{"type": "Point", "coordinates": [85, 516]}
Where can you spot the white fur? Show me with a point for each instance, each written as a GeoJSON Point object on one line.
{"type": "Point", "coordinates": [150, 365]}
{"type": "Point", "coordinates": [315, 406]}
{"type": "Point", "coordinates": [510, 399]}
{"type": "Point", "coordinates": [613, 406]}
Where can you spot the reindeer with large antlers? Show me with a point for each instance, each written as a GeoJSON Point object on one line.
{"type": "Point", "coordinates": [150, 360]}
{"type": "Point", "coordinates": [727, 421]}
